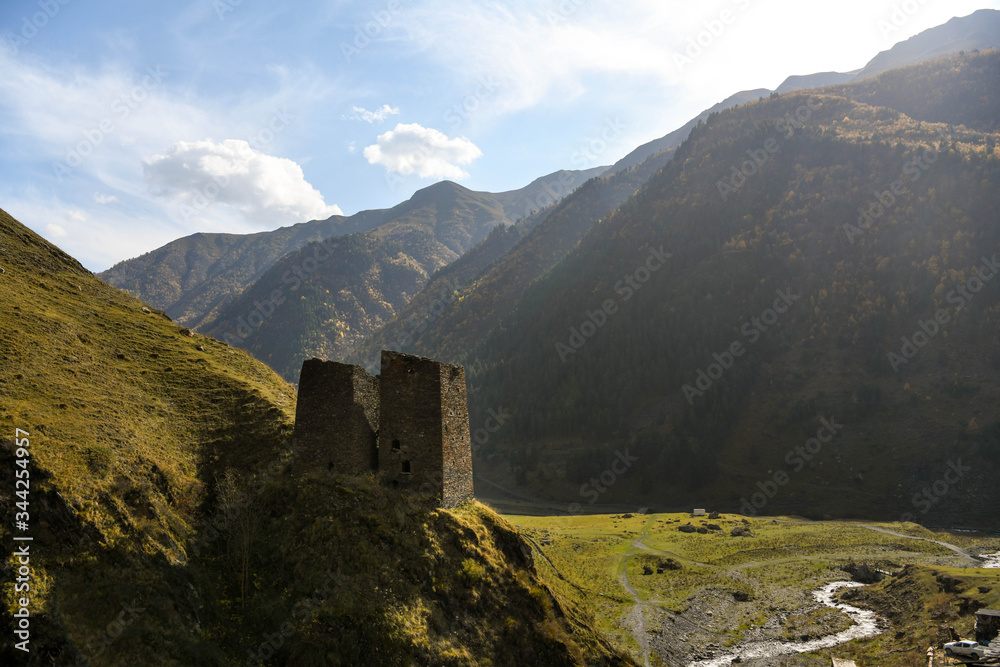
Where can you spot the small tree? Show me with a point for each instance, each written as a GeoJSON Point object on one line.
{"type": "Point", "coordinates": [241, 510]}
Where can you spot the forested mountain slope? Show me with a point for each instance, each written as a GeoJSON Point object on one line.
{"type": "Point", "coordinates": [861, 212]}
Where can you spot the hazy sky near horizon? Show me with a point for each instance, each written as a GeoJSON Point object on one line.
{"type": "Point", "coordinates": [126, 125]}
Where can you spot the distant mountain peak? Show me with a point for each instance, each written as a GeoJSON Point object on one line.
{"type": "Point", "coordinates": [978, 30]}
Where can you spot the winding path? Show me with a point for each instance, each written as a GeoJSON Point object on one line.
{"type": "Point", "coordinates": [972, 560]}
{"type": "Point", "coordinates": [636, 619]}
{"type": "Point", "coordinates": [865, 622]}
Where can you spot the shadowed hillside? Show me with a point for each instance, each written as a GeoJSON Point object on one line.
{"type": "Point", "coordinates": [167, 529]}
{"type": "Point", "coordinates": [608, 351]}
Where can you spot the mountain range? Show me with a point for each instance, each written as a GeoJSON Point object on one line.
{"type": "Point", "coordinates": [790, 305]}
{"type": "Point", "coordinates": [232, 285]}
{"type": "Point", "coordinates": [768, 199]}
{"type": "Point", "coordinates": [776, 277]}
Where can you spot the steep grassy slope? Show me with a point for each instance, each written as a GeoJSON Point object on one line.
{"type": "Point", "coordinates": [167, 529]}
{"type": "Point", "coordinates": [370, 576]}
{"type": "Point", "coordinates": [736, 245]}
{"type": "Point", "coordinates": [129, 418]}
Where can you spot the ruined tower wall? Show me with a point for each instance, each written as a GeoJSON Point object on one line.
{"type": "Point", "coordinates": [456, 439]}
{"type": "Point", "coordinates": [411, 423]}
{"type": "Point", "coordinates": [336, 419]}
{"type": "Point", "coordinates": [410, 452]}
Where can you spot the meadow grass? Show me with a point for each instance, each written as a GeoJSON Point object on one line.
{"type": "Point", "coordinates": [777, 568]}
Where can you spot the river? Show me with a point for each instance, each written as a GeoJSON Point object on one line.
{"type": "Point", "coordinates": [865, 624]}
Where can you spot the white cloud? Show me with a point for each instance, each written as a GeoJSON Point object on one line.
{"type": "Point", "coordinates": [265, 189]}
{"type": "Point", "coordinates": [379, 115]}
{"type": "Point", "coordinates": [545, 52]}
{"type": "Point", "coordinates": [557, 51]}
{"type": "Point", "coordinates": [55, 231]}
{"type": "Point", "coordinates": [426, 152]}
{"type": "Point", "coordinates": [100, 121]}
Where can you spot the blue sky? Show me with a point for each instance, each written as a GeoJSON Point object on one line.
{"type": "Point", "coordinates": [125, 125]}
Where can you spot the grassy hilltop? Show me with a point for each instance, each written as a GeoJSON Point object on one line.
{"type": "Point", "coordinates": [168, 530]}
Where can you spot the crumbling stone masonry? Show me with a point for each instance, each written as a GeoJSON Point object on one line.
{"type": "Point", "coordinates": [420, 407]}
{"type": "Point", "coordinates": [424, 438]}
{"type": "Point", "coordinates": [336, 419]}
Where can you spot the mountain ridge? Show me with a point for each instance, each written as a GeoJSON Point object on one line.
{"type": "Point", "coordinates": [192, 277]}
{"type": "Point", "coordinates": [736, 244]}
{"type": "Point", "coordinates": [979, 30]}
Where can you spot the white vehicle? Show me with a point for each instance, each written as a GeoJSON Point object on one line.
{"type": "Point", "coordinates": [965, 648]}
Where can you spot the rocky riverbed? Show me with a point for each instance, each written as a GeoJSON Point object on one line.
{"type": "Point", "coordinates": [864, 624]}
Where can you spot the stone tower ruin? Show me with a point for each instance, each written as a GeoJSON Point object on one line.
{"type": "Point", "coordinates": [336, 418]}
{"type": "Point", "coordinates": [424, 441]}
{"type": "Point", "coordinates": [410, 423]}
